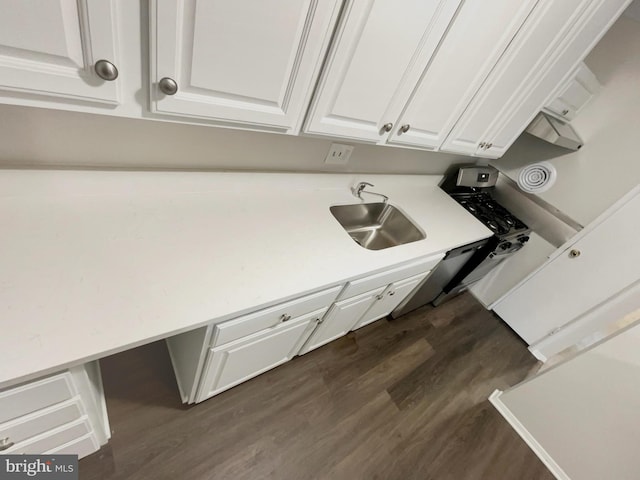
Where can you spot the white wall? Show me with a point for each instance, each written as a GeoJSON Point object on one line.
{"type": "Point", "coordinates": [593, 178]}
{"type": "Point", "coordinates": [584, 413]}
{"type": "Point", "coordinates": [41, 137]}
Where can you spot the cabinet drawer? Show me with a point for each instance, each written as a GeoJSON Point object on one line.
{"type": "Point", "coordinates": [82, 447]}
{"type": "Point", "coordinates": [42, 421]}
{"type": "Point", "coordinates": [19, 401]}
{"type": "Point", "coordinates": [372, 282]}
{"type": "Point", "coordinates": [54, 438]}
{"type": "Point", "coordinates": [236, 362]}
{"type": "Point", "coordinates": [269, 317]}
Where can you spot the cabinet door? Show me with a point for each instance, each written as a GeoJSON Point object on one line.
{"type": "Point", "coordinates": [48, 50]}
{"type": "Point", "coordinates": [380, 50]}
{"type": "Point", "coordinates": [233, 363]}
{"type": "Point", "coordinates": [387, 302]}
{"type": "Point", "coordinates": [554, 39]}
{"type": "Point", "coordinates": [340, 319]}
{"type": "Point", "coordinates": [478, 36]}
{"type": "Point", "coordinates": [575, 95]}
{"type": "Point", "coordinates": [605, 260]}
{"type": "Point", "coordinates": [239, 62]}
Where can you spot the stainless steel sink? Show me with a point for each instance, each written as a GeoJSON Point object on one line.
{"type": "Point", "coordinates": [376, 226]}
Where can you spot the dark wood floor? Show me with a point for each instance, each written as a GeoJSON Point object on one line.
{"type": "Point", "coordinates": [399, 399]}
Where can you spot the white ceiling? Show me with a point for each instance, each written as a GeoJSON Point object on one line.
{"type": "Point", "coordinates": [633, 10]}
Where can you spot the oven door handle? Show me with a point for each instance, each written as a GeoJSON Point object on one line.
{"type": "Point", "coordinates": [507, 252]}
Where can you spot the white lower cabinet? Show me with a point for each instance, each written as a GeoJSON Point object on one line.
{"type": "Point", "coordinates": [61, 413]}
{"type": "Point", "coordinates": [341, 319]}
{"type": "Point", "coordinates": [203, 359]}
{"type": "Point", "coordinates": [240, 360]}
{"type": "Point", "coordinates": [55, 438]}
{"type": "Point", "coordinates": [82, 447]}
{"type": "Point", "coordinates": [355, 312]}
{"type": "Point", "coordinates": [219, 356]}
{"type": "Point", "coordinates": [388, 300]}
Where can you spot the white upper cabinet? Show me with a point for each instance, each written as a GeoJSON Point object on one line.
{"type": "Point", "coordinates": [574, 95]}
{"type": "Point", "coordinates": [379, 52]}
{"type": "Point", "coordinates": [477, 38]}
{"type": "Point", "coordinates": [240, 62]}
{"type": "Point", "coordinates": [461, 76]}
{"type": "Point", "coordinates": [49, 50]}
{"type": "Point", "coordinates": [553, 40]}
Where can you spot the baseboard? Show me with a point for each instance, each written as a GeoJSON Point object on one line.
{"type": "Point", "coordinates": [542, 454]}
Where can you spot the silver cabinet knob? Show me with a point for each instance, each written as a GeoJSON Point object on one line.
{"type": "Point", "coordinates": [168, 86]}
{"type": "Point", "coordinates": [106, 70]}
{"type": "Point", "coordinates": [285, 318]}
{"type": "Point", "coordinates": [574, 253]}
{"type": "Point", "coordinates": [482, 145]}
{"type": "Point", "coordinates": [5, 443]}
{"type": "Point", "coordinates": [379, 297]}
{"type": "Point", "coordinates": [405, 128]}
{"type": "Point", "coordinates": [392, 293]}
{"type": "Point", "coordinates": [565, 111]}
{"type": "Point", "coordinates": [489, 145]}
{"type": "Point", "coordinates": [387, 127]}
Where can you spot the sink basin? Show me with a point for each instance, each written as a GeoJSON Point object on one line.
{"type": "Point", "coordinates": [376, 226]}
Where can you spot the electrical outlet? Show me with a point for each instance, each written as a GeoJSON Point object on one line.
{"type": "Point", "coordinates": [338, 154]}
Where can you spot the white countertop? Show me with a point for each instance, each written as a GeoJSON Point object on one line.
{"type": "Point", "coordinates": [92, 263]}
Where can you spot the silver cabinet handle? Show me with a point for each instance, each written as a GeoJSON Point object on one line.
{"type": "Point", "coordinates": [379, 297]}
{"type": "Point", "coordinates": [5, 444]}
{"type": "Point", "coordinates": [319, 321]}
{"type": "Point", "coordinates": [405, 128]}
{"type": "Point", "coordinates": [574, 253]}
{"type": "Point", "coordinates": [565, 111]}
{"type": "Point", "coordinates": [387, 127]}
{"type": "Point", "coordinates": [168, 86]}
{"type": "Point", "coordinates": [285, 318]}
{"type": "Point", "coordinates": [106, 70]}
{"type": "Point", "coordinates": [392, 293]}
{"type": "Point", "coordinates": [489, 145]}
{"type": "Point", "coordinates": [482, 145]}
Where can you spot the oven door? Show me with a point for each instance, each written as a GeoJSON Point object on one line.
{"type": "Point", "coordinates": [484, 267]}
{"type": "Point", "coordinates": [457, 286]}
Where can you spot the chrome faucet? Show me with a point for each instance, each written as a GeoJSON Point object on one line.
{"type": "Point", "coordinates": [360, 187]}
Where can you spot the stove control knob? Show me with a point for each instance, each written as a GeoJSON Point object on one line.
{"type": "Point", "coordinates": [524, 239]}
{"type": "Point", "coordinates": [505, 245]}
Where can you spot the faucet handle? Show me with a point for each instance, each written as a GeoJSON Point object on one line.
{"type": "Point", "coordinates": [357, 190]}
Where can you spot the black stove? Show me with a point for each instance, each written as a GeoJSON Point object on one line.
{"type": "Point", "coordinates": [482, 206]}
{"type": "Point", "coordinates": [471, 186]}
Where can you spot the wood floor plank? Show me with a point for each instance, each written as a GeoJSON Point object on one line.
{"type": "Point", "coordinates": [398, 399]}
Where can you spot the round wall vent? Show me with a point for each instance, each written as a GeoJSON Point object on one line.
{"type": "Point", "coordinates": [537, 177]}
